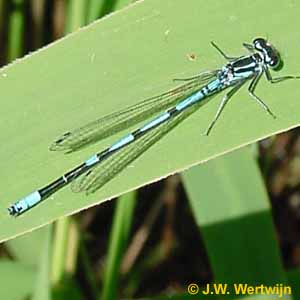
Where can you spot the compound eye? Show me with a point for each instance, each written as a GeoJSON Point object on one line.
{"type": "Point", "coordinates": [274, 62]}
{"type": "Point", "coordinates": [272, 57]}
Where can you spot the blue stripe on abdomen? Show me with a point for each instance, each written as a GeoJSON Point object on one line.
{"type": "Point", "coordinates": [190, 100]}
{"type": "Point", "coordinates": [125, 140]}
{"type": "Point", "coordinates": [92, 160]}
{"type": "Point", "coordinates": [155, 122]}
{"type": "Point", "coordinates": [214, 85]}
{"type": "Point", "coordinates": [205, 91]}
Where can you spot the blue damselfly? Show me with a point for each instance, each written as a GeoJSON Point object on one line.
{"type": "Point", "coordinates": [177, 103]}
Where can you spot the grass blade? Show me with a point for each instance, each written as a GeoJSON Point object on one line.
{"type": "Point", "coordinates": [109, 65]}
{"type": "Point", "coordinates": [232, 208]}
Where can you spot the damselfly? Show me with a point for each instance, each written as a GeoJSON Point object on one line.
{"type": "Point", "coordinates": [177, 103]}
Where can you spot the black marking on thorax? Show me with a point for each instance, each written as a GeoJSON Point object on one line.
{"type": "Point", "coordinates": [245, 64]}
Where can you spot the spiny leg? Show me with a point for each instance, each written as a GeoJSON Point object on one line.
{"type": "Point", "coordinates": [251, 89]}
{"type": "Point", "coordinates": [278, 79]}
{"type": "Point", "coordinates": [222, 52]}
{"type": "Point", "coordinates": [225, 99]}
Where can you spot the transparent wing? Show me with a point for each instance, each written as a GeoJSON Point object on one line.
{"type": "Point", "coordinates": [115, 122]}
{"type": "Point", "coordinates": [106, 170]}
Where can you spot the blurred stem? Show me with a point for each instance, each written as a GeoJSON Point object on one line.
{"type": "Point", "coordinates": [100, 8]}
{"type": "Point", "coordinates": [88, 271]}
{"type": "Point", "coordinates": [15, 34]}
{"type": "Point", "coordinates": [73, 247]}
{"type": "Point", "coordinates": [38, 11]}
{"type": "Point", "coordinates": [117, 243]}
{"type": "Point", "coordinates": [60, 242]}
{"type": "Point", "coordinates": [94, 10]}
{"type": "Point", "coordinates": [42, 289]}
{"type": "Point", "coordinates": [76, 15]}
{"type": "Point", "coordinates": [122, 3]}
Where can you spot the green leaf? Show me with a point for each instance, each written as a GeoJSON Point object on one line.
{"type": "Point", "coordinates": [232, 209]}
{"type": "Point", "coordinates": [118, 61]}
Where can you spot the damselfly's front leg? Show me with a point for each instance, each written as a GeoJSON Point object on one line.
{"type": "Point", "coordinates": [251, 90]}
{"type": "Point", "coordinates": [223, 53]}
{"type": "Point", "coordinates": [278, 79]}
{"type": "Point", "coordinates": [225, 99]}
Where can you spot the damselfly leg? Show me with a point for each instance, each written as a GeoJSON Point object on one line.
{"type": "Point", "coordinates": [278, 79]}
{"type": "Point", "coordinates": [251, 90]}
{"type": "Point", "coordinates": [256, 79]}
{"type": "Point", "coordinates": [229, 58]}
{"type": "Point", "coordinates": [224, 101]}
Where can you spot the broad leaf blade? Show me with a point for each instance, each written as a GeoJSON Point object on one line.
{"type": "Point", "coordinates": [110, 65]}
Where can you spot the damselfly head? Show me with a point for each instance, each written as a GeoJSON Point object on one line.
{"type": "Point", "coordinates": [268, 52]}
